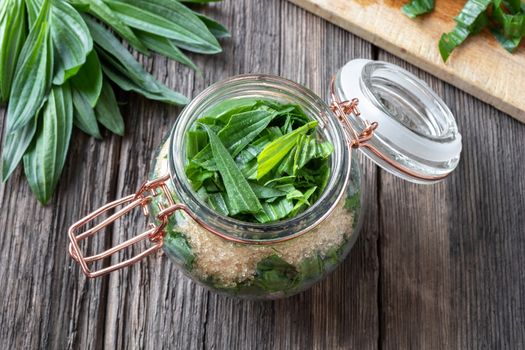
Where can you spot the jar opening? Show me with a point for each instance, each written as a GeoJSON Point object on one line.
{"type": "Point", "coordinates": [266, 88]}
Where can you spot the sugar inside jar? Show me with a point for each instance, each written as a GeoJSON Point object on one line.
{"type": "Point", "coordinates": [259, 161]}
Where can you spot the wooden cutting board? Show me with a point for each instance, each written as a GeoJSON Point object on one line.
{"type": "Point", "coordinates": [480, 66]}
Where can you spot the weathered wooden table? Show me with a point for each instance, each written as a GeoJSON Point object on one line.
{"type": "Point", "coordinates": [436, 267]}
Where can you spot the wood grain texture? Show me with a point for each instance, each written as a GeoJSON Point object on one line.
{"type": "Point", "coordinates": [452, 254]}
{"type": "Point", "coordinates": [435, 266]}
{"type": "Point", "coordinates": [480, 66]}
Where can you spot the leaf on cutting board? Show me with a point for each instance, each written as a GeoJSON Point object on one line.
{"type": "Point", "coordinates": [512, 25]}
{"type": "Point", "coordinates": [88, 80]}
{"type": "Point", "coordinates": [32, 77]}
{"type": "Point", "coordinates": [167, 18]}
{"type": "Point", "coordinates": [13, 33]}
{"type": "Point", "coordinates": [418, 7]}
{"type": "Point", "coordinates": [71, 40]}
{"type": "Point", "coordinates": [509, 44]}
{"type": "Point", "coordinates": [45, 158]}
{"type": "Point", "coordinates": [240, 195]}
{"type": "Point", "coordinates": [107, 111]}
{"type": "Point", "coordinates": [472, 19]}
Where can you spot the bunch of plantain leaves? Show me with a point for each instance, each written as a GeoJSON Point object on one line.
{"type": "Point", "coordinates": [57, 59]}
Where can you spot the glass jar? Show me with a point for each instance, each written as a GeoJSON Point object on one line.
{"type": "Point", "coordinates": [414, 136]}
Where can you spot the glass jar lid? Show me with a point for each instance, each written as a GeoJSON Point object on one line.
{"type": "Point", "coordinates": [416, 137]}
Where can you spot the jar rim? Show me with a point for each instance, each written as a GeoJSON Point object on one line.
{"type": "Point", "coordinates": [265, 87]}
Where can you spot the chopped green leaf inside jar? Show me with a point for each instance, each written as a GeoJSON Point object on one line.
{"type": "Point", "coordinates": [257, 160]}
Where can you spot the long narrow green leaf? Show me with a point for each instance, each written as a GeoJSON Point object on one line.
{"type": "Point", "coordinates": [240, 195]}
{"type": "Point", "coordinates": [107, 111]}
{"type": "Point", "coordinates": [33, 72]}
{"type": "Point", "coordinates": [100, 10]}
{"type": "Point", "coordinates": [218, 30]}
{"type": "Point", "coordinates": [114, 51]}
{"type": "Point", "coordinates": [165, 95]}
{"type": "Point", "coordinates": [45, 158]}
{"type": "Point", "coordinates": [14, 147]}
{"type": "Point", "coordinates": [167, 18]}
{"type": "Point", "coordinates": [274, 152]}
{"type": "Point", "coordinates": [89, 78]}
{"type": "Point", "coordinates": [165, 47]}
{"type": "Point", "coordinates": [13, 33]}
{"type": "Point", "coordinates": [71, 40]}
{"type": "Point", "coordinates": [84, 117]}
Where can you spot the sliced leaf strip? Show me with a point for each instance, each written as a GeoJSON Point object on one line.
{"type": "Point", "coordinates": [240, 195]}
{"type": "Point", "coordinates": [274, 152]}
{"type": "Point", "coordinates": [470, 20]}
{"type": "Point", "coordinates": [418, 7]}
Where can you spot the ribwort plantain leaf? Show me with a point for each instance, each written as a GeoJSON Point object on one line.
{"type": "Point", "coordinates": [32, 78]}
{"type": "Point", "coordinates": [13, 32]}
{"type": "Point", "coordinates": [45, 158]}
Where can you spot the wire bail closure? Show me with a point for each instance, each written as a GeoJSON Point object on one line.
{"type": "Point", "coordinates": [155, 234]}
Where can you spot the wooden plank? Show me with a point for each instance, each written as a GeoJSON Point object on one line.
{"type": "Point", "coordinates": [452, 254]}
{"type": "Point", "coordinates": [481, 67]}
{"type": "Point", "coordinates": [46, 302]}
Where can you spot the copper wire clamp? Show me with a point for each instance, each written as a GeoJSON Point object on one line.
{"type": "Point", "coordinates": [155, 234]}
